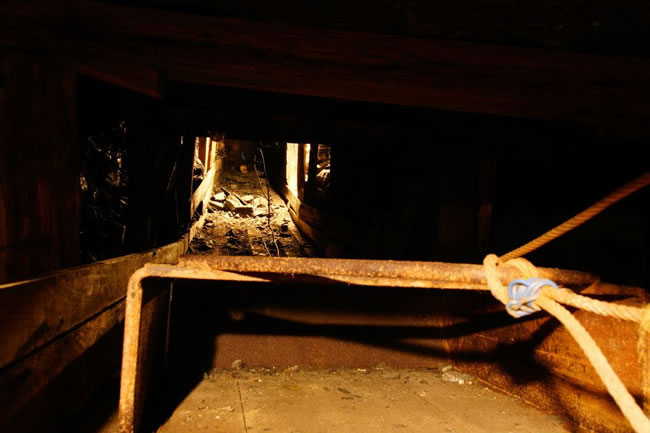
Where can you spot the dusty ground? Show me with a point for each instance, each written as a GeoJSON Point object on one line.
{"type": "Point", "coordinates": [361, 400]}
{"type": "Point", "coordinates": [237, 233]}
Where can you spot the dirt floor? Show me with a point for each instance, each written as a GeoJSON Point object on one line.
{"type": "Point", "coordinates": [245, 230]}
{"type": "Point", "coordinates": [358, 400]}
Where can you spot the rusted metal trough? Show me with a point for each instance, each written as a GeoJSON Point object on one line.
{"type": "Point", "coordinates": [555, 353]}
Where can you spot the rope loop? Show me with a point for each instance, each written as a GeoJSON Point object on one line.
{"type": "Point", "coordinates": [523, 293]}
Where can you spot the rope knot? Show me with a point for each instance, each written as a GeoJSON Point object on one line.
{"type": "Point", "coordinates": [520, 295]}
{"type": "Point", "coordinates": [523, 293]}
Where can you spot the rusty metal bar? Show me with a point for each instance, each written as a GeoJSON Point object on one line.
{"type": "Point", "coordinates": [396, 273]}
{"type": "Point", "coordinates": [383, 273]}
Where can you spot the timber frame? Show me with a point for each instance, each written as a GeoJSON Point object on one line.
{"type": "Point", "coordinates": [45, 45]}
{"type": "Point", "coordinates": [140, 49]}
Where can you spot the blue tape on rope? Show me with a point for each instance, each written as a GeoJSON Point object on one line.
{"type": "Point", "coordinates": [523, 293]}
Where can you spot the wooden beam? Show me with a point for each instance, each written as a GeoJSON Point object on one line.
{"type": "Point", "coordinates": [325, 229]}
{"type": "Point", "coordinates": [214, 165]}
{"type": "Point", "coordinates": [138, 78]}
{"type": "Point", "coordinates": [359, 66]}
{"type": "Point", "coordinates": [301, 171]}
{"type": "Point", "coordinates": [538, 361]}
{"type": "Point", "coordinates": [185, 180]}
{"type": "Point", "coordinates": [202, 143]}
{"type": "Point", "coordinates": [35, 27]}
{"type": "Point", "coordinates": [39, 167]}
{"type": "Point", "coordinates": [310, 190]}
{"type": "Point", "coordinates": [208, 147]}
{"type": "Point", "coordinates": [55, 346]}
{"type": "Point", "coordinates": [204, 191]}
{"type": "Point", "coordinates": [36, 311]}
{"type": "Point", "coordinates": [33, 390]}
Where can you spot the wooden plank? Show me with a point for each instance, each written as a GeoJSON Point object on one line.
{"type": "Point", "coordinates": [318, 237]}
{"type": "Point", "coordinates": [538, 361]}
{"type": "Point", "coordinates": [213, 150]}
{"type": "Point", "coordinates": [137, 78]}
{"type": "Point", "coordinates": [39, 168]}
{"type": "Point", "coordinates": [301, 171]}
{"type": "Point", "coordinates": [152, 344]}
{"type": "Point", "coordinates": [32, 391]}
{"type": "Point", "coordinates": [107, 65]}
{"type": "Point", "coordinates": [58, 365]}
{"type": "Point", "coordinates": [480, 78]}
{"type": "Point", "coordinates": [204, 190]}
{"type": "Point", "coordinates": [202, 143]}
{"type": "Point", "coordinates": [325, 225]}
{"type": "Point", "coordinates": [311, 173]}
{"type": "Point", "coordinates": [208, 151]}
{"type": "Point", "coordinates": [308, 217]}
{"type": "Point", "coordinates": [197, 225]}
{"type": "Point", "coordinates": [36, 311]}
{"type": "Point", "coordinates": [206, 157]}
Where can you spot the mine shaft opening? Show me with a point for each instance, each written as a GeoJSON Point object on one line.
{"type": "Point", "coordinates": [246, 214]}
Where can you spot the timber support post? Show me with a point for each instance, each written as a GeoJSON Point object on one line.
{"type": "Point", "coordinates": [39, 167]}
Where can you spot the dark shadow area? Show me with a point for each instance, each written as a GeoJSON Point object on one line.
{"type": "Point", "coordinates": [69, 391]}
{"type": "Point", "coordinates": [598, 26]}
{"type": "Point", "coordinates": [101, 408]}
{"type": "Point", "coordinates": [380, 335]}
{"type": "Point", "coordinates": [201, 311]}
{"type": "Point", "coordinates": [104, 150]}
{"type": "Point", "coordinates": [191, 349]}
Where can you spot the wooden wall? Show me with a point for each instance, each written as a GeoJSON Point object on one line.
{"type": "Point", "coordinates": [61, 334]}
{"type": "Point", "coordinates": [61, 325]}
{"type": "Point", "coordinates": [39, 173]}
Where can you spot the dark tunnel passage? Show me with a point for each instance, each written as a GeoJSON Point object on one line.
{"type": "Point", "coordinates": [289, 217]}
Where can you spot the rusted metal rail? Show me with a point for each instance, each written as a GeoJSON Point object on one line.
{"type": "Point", "coordinates": [380, 273]}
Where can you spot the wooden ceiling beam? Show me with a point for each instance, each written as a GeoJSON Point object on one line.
{"type": "Point", "coordinates": [135, 43]}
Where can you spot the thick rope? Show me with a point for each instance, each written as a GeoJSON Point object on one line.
{"type": "Point", "coordinates": [531, 293]}
{"type": "Point", "coordinates": [622, 312]}
{"type": "Point", "coordinates": [562, 295]}
{"type": "Point", "coordinates": [640, 423]}
{"type": "Point", "coordinates": [642, 352]}
{"type": "Point", "coordinates": [581, 218]}
{"type": "Point", "coordinates": [615, 387]}
{"type": "Point", "coordinates": [566, 296]}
